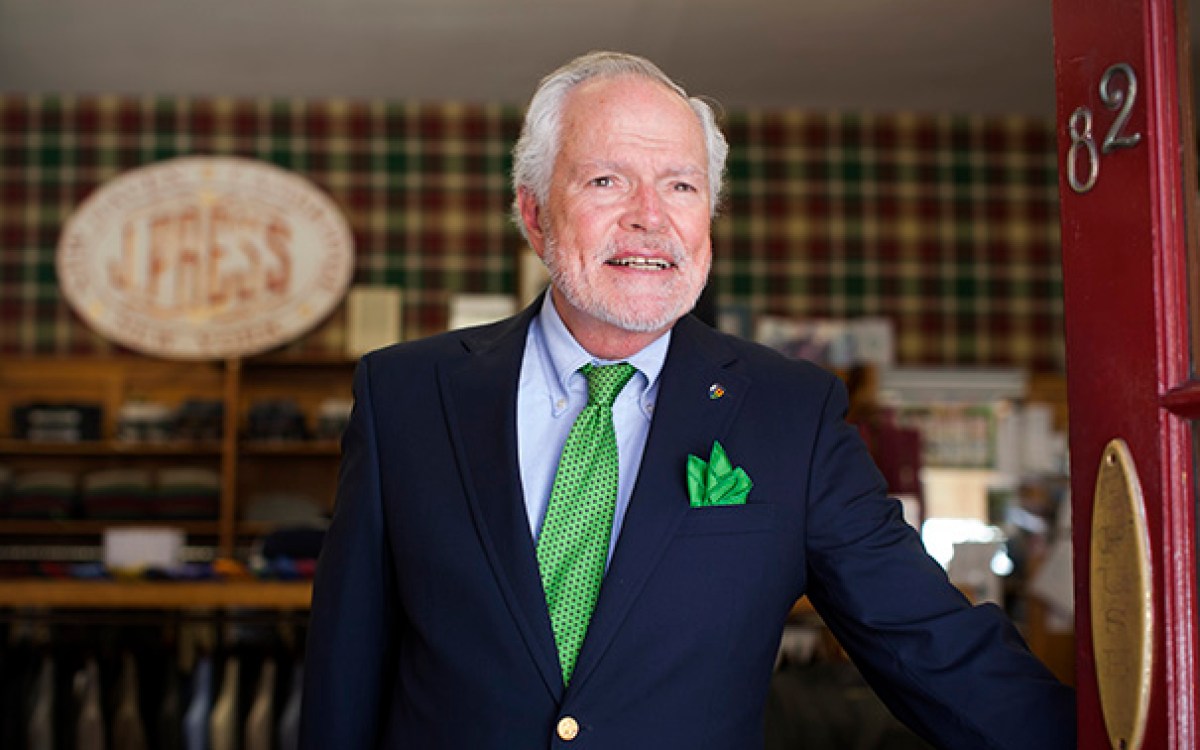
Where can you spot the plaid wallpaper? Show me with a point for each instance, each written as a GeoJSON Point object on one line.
{"type": "Point", "coordinates": [946, 225]}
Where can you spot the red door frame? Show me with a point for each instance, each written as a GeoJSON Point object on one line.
{"type": "Point", "coordinates": [1126, 310]}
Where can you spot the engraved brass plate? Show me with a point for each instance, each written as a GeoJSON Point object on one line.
{"type": "Point", "coordinates": [1121, 598]}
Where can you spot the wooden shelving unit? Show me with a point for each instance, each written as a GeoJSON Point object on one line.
{"type": "Point", "coordinates": [292, 449]}
{"type": "Point", "coordinates": [245, 466]}
{"type": "Point", "coordinates": [281, 595]}
{"type": "Point", "coordinates": [77, 527]}
{"type": "Point", "coordinates": [11, 447]}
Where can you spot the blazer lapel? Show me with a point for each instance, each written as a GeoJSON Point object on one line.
{"type": "Point", "coordinates": [479, 394]}
{"type": "Point", "coordinates": [686, 420]}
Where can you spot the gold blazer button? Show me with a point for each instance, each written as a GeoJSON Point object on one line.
{"type": "Point", "coordinates": [568, 728]}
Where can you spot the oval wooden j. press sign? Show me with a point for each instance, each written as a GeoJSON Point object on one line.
{"type": "Point", "coordinates": [205, 258]}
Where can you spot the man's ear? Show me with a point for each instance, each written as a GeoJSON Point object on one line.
{"type": "Point", "coordinates": [531, 218]}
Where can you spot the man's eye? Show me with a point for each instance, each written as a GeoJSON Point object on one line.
{"type": "Point", "coordinates": [601, 181]}
{"type": "Point", "coordinates": [685, 187]}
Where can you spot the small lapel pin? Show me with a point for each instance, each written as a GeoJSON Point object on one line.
{"type": "Point", "coordinates": [716, 391]}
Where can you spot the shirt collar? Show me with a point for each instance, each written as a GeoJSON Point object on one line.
{"type": "Point", "coordinates": [564, 356]}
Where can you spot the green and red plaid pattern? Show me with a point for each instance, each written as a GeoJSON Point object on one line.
{"type": "Point", "coordinates": [946, 225]}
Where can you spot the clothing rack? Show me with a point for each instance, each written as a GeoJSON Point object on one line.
{"type": "Point", "coordinates": [151, 681]}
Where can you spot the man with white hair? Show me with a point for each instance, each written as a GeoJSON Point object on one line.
{"type": "Point", "coordinates": [585, 526]}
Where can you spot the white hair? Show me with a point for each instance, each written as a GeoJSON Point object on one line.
{"type": "Point", "coordinates": [537, 148]}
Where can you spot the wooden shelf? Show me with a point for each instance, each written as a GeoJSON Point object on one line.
{"type": "Point", "coordinates": [108, 448]}
{"type": "Point", "coordinates": [301, 359]}
{"type": "Point", "coordinates": [246, 467]}
{"type": "Point", "coordinates": [261, 528]}
{"type": "Point", "coordinates": [77, 527]}
{"type": "Point", "coordinates": [282, 595]}
{"type": "Point", "coordinates": [95, 527]}
{"type": "Point", "coordinates": [291, 448]}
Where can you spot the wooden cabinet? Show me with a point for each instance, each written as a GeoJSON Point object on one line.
{"type": "Point", "coordinates": [246, 467]}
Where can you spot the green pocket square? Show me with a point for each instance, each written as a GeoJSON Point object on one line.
{"type": "Point", "coordinates": [716, 482]}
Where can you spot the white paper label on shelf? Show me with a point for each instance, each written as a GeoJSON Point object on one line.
{"type": "Point", "coordinates": [205, 258]}
{"type": "Point", "coordinates": [132, 549]}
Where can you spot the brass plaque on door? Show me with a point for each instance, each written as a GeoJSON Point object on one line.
{"type": "Point", "coordinates": [1121, 598]}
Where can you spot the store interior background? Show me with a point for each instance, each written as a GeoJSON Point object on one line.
{"type": "Point", "coordinates": [889, 161]}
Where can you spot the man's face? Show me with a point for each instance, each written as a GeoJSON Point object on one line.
{"type": "Point", "coordinates": [625, 229]}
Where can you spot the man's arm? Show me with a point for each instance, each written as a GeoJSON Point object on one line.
{"type": "Point", "coordinates": [351, 646]}
{"type": "Point", "coordinates": [959, 675]}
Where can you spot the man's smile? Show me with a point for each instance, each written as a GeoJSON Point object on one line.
{"type": "Point", "coordinates": [641, 263]}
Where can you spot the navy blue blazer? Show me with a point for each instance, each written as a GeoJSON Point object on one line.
{"type": "Point", "coordinates": [429, 626]}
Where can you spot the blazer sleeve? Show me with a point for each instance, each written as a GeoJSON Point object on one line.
{"type": "Point", "coordinates": [960, 675]}
{"type": "Point", "coordinates": [351, 644]}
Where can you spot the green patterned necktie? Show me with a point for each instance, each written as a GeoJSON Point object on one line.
{"type": "Point", "coordinates": [573, 546]}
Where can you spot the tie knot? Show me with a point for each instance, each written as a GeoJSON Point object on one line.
{"type": "Point", "coordinates": [606, 381]}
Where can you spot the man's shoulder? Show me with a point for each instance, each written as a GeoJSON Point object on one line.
{"type": "Point", "coordinates": [419, 354]}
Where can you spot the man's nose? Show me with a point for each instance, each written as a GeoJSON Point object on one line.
{"type": "Point", "coordinates": [645, 210]}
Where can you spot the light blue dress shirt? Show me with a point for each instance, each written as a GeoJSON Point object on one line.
{"type": "Point", "coordinates": [551, 393]}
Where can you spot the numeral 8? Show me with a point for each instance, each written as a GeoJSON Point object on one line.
{"type": "Point", "coordinates": [1079, 127]}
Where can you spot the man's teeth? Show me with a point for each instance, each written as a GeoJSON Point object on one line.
{"type": "Point", "coordinates": [643, 264]}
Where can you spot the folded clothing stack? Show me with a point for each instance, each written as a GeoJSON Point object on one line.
{"type": "Point", "coordinates": [146, 421]}
{"type": "Point", "coordinates": [284, 508]}
{"type": "Point", "coordinates": [199, 419]}
{"type": "Point", "coordinates": [187, 493]}
{"type": "Point", "coordinates": [275, 420]}
{"type": "Point", "coordinates": [57, 423]}
{"type": "Point", "coordinates": [291, 549]}
{"type": "Point", "coordinates": [333, 415]}
{"type": "Point", "coordinates": [116, 493]}
{"type": "Point", "coordinates": [141, 421]}
{"type": "Point", "coordinates": [43, 494]}
{"type": "Point", "coordinates": [181, 493]}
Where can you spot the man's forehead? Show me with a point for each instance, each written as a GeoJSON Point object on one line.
{"type": "Point", "coordinates": [630, 111]}
{"type": "Point", "coordinates": [626, 92]}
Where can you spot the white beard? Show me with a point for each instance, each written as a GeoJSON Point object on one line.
{"type": "Point", "coordinates": [641, 314]}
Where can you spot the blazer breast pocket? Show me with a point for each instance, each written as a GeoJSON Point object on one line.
{"type": "Point", "coordinates": [728, 519]}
